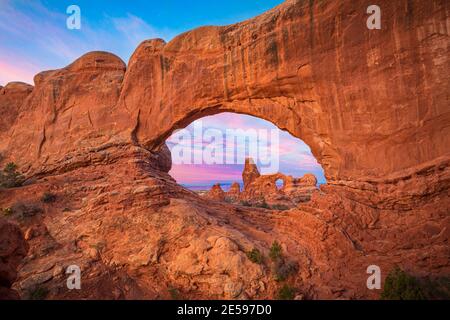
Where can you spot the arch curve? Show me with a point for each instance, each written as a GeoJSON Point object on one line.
{"type": "Point", "coordinates": [332, 90]}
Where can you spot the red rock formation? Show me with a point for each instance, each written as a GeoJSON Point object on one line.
{"type": "Point", "coordinates": [263, 188]}
{"type": "Point", "coordinates": [300, 189]}
{"type": "Point", "coordinates": [260, 189]}
{"type": "Point", "coordinates": [13, 94]}
{"type": "Point", "coordinates": [216, 193]}
{"type": "Point", "coordinates": [234, 193]}
{"type": "Point", "coordinates": [95, 131]}
{"type": "Point", "coordinates": [250, 173]}
{"type": "Point", "coordinates": [13, 249]}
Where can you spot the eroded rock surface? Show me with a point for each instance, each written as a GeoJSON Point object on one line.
{"type": "Point", "coordinates": [216, 193]}
{"type": "Point", "coordinates": [371, 104]}
{"type": "Point", "coordinates": [264, 190]}
{"type": "Point", "coordinates": [13, 249]}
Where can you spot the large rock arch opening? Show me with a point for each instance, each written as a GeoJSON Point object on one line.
{"type": "Point", "coordinates": [330, 88]}
{"type": "Point", "coordinates": [323, 86]}
{"type": "Point", "coordinates": [216, 151]}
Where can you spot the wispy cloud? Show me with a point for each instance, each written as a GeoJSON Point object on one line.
{"type": "Point", "coordinates": [31, 33]}
{"type": "Point", "coordinates": [135, 30]}
{"type": "Point", "coordinates": [295, 156]}
{"type": "Point", "coordinates": [16, 70]}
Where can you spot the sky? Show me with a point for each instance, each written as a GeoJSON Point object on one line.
{"type": "Point", "coordinates": [290, 155]}
{"type": "Point", "coordinates": [34, 37]}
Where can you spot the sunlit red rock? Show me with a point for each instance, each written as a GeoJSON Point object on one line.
{"type": "Point", "coordinates": [216, 193]}
{"type": "Point", "coordinates": [372, 106]}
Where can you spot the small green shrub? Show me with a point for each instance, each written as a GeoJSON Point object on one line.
{"type": "Point", "coordinates": [275, 252]}
{"type": "Point", "coordinates": [99, 246]}
{"type": "Point", "coordinates": [174, 293]}
{"type": "Point", "coordinates": [401, 286]}
{"type": "Point", "coordinates": [40, 293]}
{"type": "Point", "coordinates": [48, 197]}
{"type": "Point", "coordinates": [228, 200]}
{"type": "Point", "coordinates": [437, 288]}
{"type": "Point", "coordinates": [246, 203]}
{"type": "Point", "coordinates": [280, 207]}
{"type": "Point", "coordinates": [10, 177]}
{"type": "Point", "coordinates": [283, 269]}
{"type": "Point", "coordinates": [286, 292]}
{"type": "Point", "coordinates": [255, 256]}
{"type": "Point", "coordinates": [263, 205]}
{"type": "Point", "coordinates": [26, 209]}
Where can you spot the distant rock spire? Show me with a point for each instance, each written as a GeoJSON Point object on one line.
{"type": "Point", "coordinates": [250, 173]}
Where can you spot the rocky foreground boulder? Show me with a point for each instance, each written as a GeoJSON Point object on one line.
{"type": "Point", "coordinates": [13, 249]}
{"type": "Point", "coordinates": [371, 104]}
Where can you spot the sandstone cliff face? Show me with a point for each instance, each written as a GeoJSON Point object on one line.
{"type": "Point", "coordinates": [372, 105]}
{"type": "Point", "coordinates": [11, 100]}
{"type": "Point", "coordinates": [68, 115]}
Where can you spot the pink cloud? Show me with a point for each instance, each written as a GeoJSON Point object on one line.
{"type": "Point", "coordinates": [206, 173]}
{"type": "Point", "coordinates": [16, 72]}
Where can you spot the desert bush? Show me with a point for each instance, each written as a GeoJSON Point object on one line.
{"type": "Point", "coordinates": [10, 177]}
{"type": "Point", "coordinates": [283, 269]}
{"type": "Point", "coordinates": [436, 289]}
{"type": "Point", "coordinates": [26, 209]}
{"type": "Point", "coordinates": [263, 205]}
{"type": "Point", "coordinates": [255, 256]}
{"type": "Point", "coordinates": [40, 293]}
{"type": "Point", "coordinates": [99, 246]}
{"type": "Point", "coordinates": [246, 203]}
{"type": "Point", "coordinates": [174, 293]}
{"type": "Point", "coordinates": [276, 251]}
{"type": "Point", "coordinates": [48, 197]}
{"type": "Point", "coordinates": [280, 207]}
{"type": "Point", "coordinates": [228, 200]}
{"type": "Point", "coordinates": [401, 286]}
{"type": "Point", "coordinates": [286, 292]}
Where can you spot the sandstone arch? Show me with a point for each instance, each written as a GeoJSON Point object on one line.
{"type": "Point", "coordinates": [301, 66]}
{"type": "Point", "coordinates": [372, 105]}
{"type": "Point", "coordinates": [320, 84]}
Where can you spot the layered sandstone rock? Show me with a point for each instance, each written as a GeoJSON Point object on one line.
{"type": "Point", "coordinates": [371, 104]}
{"type": "Point", "coordinates": [250, 173]}
{"type": "Point", "coordinates": [234, 193]}
{"type": "Point", "coordinates": [216, 193]}
{"type": "Point", "coordinates": [12, 97]}
{"type": "Point", "coordinates": [300, 189]}
{"type": "Point", "coordinates": [272, 67]}
{"type": "Point", "coordinates": [263, 189]}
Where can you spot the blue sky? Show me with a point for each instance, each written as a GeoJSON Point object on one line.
{"type": "Point", "coordinates": [34, 37]}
